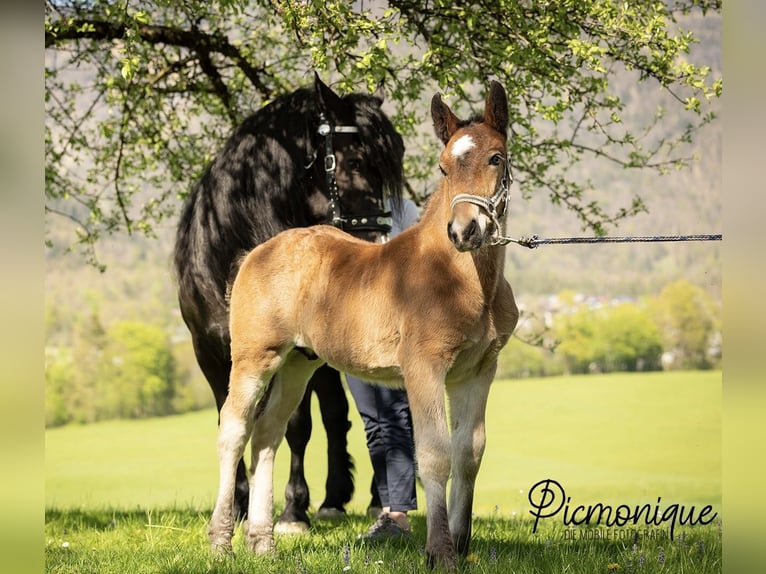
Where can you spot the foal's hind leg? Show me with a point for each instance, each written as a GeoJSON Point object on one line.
{"type": "Point", "coordinates": [287, 390]}
{"type": "Point", "coordinates": [468, 404]}
{"type": "Point", "coordinates": [215, 364]}
{"type": "Point", "coordinates": [294, 518]}
{"type": "Point", "coordinates": [234, 429]}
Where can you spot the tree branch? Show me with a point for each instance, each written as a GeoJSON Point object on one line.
{"type": "Point", "coordinates": [196, 40]}
{"type": "Point", "coordinates": [126, 112]}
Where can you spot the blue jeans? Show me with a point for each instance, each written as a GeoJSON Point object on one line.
{"type": "Point", "coordinates": [387, 422]}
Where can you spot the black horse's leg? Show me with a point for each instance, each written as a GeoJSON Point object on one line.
{"type": "Point", "coordinates": [333, 404]}
{"type": "Point", "coordinates": [294, 517]}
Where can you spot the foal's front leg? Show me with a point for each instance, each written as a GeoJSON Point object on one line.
{"type": "Point", "coordinates": [468, 404]}
{"type": "Point", "coordinates": [432, 447]}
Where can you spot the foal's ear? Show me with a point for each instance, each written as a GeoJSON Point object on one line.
{"type": "Point", "coordinates": [445, 122]}
{"type": "Point", "coordinates": [328, 101]}
{"type": "Point", "coordinates": [496, 108]}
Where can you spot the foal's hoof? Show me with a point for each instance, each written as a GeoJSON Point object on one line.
{"type": "Point", "coordinates": [291, 528]}
{"type": "Point", "coordinates": [446, 562]}
{"type": "Point", "coordinates": [221, 550]}
{"type": "Point", "coordinates": [327, 513]}
{"type": "Point", "coordinates": [260, 545]}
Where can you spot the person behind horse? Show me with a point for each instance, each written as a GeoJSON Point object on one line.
{"type": "Point", "coordinates": [385, 413]}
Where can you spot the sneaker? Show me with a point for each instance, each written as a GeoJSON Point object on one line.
{"type": "Point", "coordinates": [385, 528]}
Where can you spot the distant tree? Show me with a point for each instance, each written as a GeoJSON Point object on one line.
{"type": "Point", "coordinates": [519, 359]}
{"type": "Point", "coordinates": [59, 374]}
{"type": "Point", "coordinates": [82, 358]}
{"type": "Point", "coordinates": [130, 369]}
{"type": "Point", "coordinates": [630, 340]}
{"type": "Point", "coordinates": [609, 339]}
{"type": "Point", "coordinates": [578, 340]}
{"type": "Point", "coordinates": [688, 320]}
{"type": "Point", "coordinates": [138, 372]}
{"type": "Point", "coordinates": [140, 94]}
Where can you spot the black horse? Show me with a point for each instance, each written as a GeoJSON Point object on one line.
{"type": "Point", "coordinates": [306, 158]}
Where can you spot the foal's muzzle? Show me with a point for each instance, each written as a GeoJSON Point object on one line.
{"type": "Point", "coordinates": [469, 229]}
{"type": "Point", "coordinates": [475, 220]}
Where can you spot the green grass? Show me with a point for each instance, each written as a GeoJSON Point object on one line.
{"type": "Point", "coordinates": [135, 496]}
{"type": "Point", "coordinates": [175, 541]}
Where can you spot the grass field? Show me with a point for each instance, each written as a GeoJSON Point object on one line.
{"type": "Point", "coordinates": [141, 491]}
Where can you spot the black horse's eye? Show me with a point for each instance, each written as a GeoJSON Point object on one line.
{"type": "Point", "coordinates": [353, 163]}
{"type": "Point", "coordinates": [441, 169]}
{"type": "Point", "coordinates": [496, 159]}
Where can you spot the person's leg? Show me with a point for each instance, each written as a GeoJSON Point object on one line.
{"type": "Point", "coordinates": [367, 405]}
{"type": "Point", "coordinates": [396, 427]}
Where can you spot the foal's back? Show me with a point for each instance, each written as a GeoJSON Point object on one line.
{"type": "Point", "coordinates": [315, 288]}
{"type": "Point", "coordinates": [320, 289]}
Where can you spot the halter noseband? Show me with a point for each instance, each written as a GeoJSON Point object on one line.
{"type": "Point", "coordinates": [379, 221]}
{"type": "Point", "coordinates": [495, 205]}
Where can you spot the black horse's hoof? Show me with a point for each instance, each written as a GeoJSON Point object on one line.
{"type": "Point", "coordinates": [329, 513]}
{"type": "Point", "coordinates": [291, 528]}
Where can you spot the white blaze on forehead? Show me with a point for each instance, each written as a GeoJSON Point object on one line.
{"type": "Point", "coordinates": [462, 145]}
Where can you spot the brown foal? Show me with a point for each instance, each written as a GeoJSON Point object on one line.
{"type": "Point", "coordinates": [429, 310]}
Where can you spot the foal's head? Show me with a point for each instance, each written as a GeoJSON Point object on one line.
{"type": "Point", "coordinates": [474, 164]}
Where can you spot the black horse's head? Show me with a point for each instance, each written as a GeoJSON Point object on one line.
{"type": "Point", "coordinates": [357, 166]}
{"type": "Point", "coordinates": [274, 172]}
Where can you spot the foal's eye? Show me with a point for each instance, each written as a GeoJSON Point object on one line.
{"type": "Point", "coordinates": [496, 159]}
{"type": "Point", "coordinates": [441, 169]}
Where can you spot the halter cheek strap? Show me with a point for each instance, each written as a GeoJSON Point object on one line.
{"type": "Point", "coordinates": [381, 221]}
{"type": "Point", "coordinates": [495, 205]}
{"type": "Point", "coordinates": [326, 130]}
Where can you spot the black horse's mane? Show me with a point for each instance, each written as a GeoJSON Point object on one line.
{"type": "Point", "coordinates": [257, 186]}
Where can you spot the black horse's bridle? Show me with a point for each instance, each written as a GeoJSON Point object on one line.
{"type": "Point", "coordinates": [377, 221]}
{"type": "Point", "coordinates": [495, 205]}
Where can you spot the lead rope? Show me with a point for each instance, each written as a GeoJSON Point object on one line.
{"type": "Point", "coordinates": [496, 205]}
{"type": "Point", "coordinates": [535, 241]}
